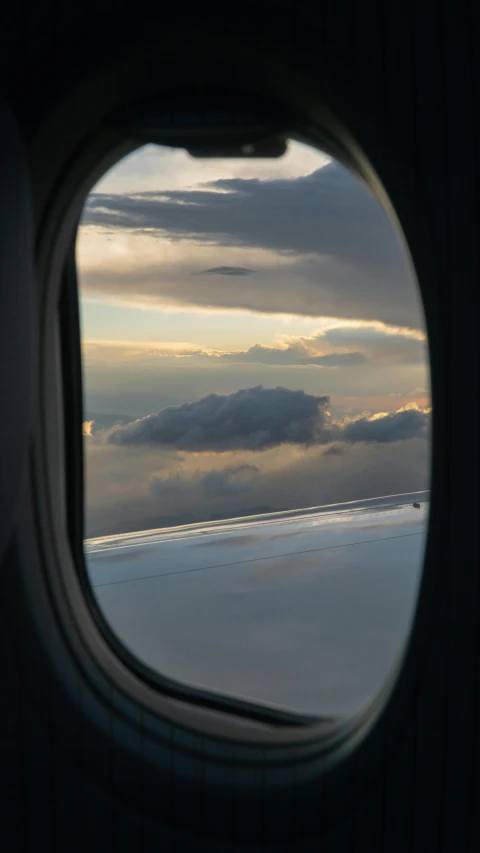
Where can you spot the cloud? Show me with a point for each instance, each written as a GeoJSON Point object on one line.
{"type": "Point", "coordinates": [344, 345]}
{"type": "Point", "coordinates": [381, 345]}
{"type": "Point", "coordinates": [328, 211]}
{"type": "Point", "coordinates": [172, 486]}
{"type": "Point", "coordinates": [261, 418]}
{"type": "Point", "coordinates": [329, 247]}
{"type": "Point", "coordinates": [295, 354]}
{"type": "Point", "coordinates": [226, 271]}
{"type": "Point", "coordinates": [409, 422]}
{"type": "Point", "coordinates": [288, 477]}
{"type": "Point", "coordinates": [333, 450]}
{"type": "Point", "coordinates": [229, 481]}
{"type": "Point", "coordinates": [172, 168]}
{"type": "Point", "coordinates": [226, 482]}
{"type": "Point", "coordinates": [414, 392]}
{"type": "Point", "coordinates": [249, 419]}
{"type": "Point", "coordinates": [87, 427]}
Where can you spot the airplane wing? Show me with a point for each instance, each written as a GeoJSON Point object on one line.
{"type": "Point", "coordinates": [307, 610]}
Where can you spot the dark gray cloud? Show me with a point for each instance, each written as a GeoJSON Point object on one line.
{"type": "Point", "coordinates": [261, 418]}
{"type": "Point", "coordinates": [227, 271]}
{"type": "Point", "coordinates": [249, 419]}
{"type": "Point", "coordinates": [347, 259]}
{"type": "Point", "coordinates": [397, 426]}
{"type": "Point", "coordinates": [328, 212]}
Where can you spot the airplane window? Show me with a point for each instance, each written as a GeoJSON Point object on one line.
{"type": "Point", "coordinates": [256, 424]}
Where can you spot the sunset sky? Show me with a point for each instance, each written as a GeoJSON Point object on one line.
{"type": "Point", "coordinates": [281, 286]}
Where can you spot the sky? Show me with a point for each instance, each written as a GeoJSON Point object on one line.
{"type": "Point", "coordinates": [253, 339]}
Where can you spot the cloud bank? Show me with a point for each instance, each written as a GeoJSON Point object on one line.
{"type": "Point", "coordinates": [148, 487]}
{"type": "Point", "coordinates": [409, 422]}
{"type": "Point", "coordinates": [329, 248]}
{"type": "Point", "coordinates": [296, 354]}
{"type": "Point", "coordinates": [374, 344]}
{"type": "Point", "coordinates": [249, 419]}
{"type": "Point", "coordinates": [261, 418]}
{"type": "Point", "coordinates": [329, 212]}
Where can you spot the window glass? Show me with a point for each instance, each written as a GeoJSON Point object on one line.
{"type": "Point", "coordinates": [256, 424]}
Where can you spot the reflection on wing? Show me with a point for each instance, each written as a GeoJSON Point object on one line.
{"type": "Point", "coordinates": [307, 609]}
